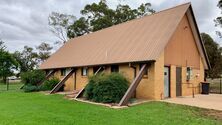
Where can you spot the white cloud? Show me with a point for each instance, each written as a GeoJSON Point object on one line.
{"type": "Point", "coordinates": [24, 22]}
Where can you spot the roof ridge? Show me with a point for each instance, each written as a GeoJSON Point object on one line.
{"type": "Point", "coordinates": [133, 20]}
{"type": "Point", "coordinates": [171, 8]}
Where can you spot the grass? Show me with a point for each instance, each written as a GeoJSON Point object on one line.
{"type": "Point", "coordinates": [19, 108]}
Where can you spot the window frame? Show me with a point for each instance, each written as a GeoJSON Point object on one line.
{"type": "Point", "coordinates": [114, 68]}
{"type": "Point", "coordinates": [63, 72]}
{"type": "Point", "coordinates": [82, 71]}
{"type": "Point", "coordinates": [189, 73]}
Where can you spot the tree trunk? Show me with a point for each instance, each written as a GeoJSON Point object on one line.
{"type": "Point", "coordinates": [4, 79]}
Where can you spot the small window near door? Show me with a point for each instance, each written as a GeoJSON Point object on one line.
{"type": "Point", "coordinates": [189, 73]}
{"type": "Point", "coordinates": [146, 72]}
{"type": "Point", "coordinates": [114, 68]}
{"type": "Point", "coordinates": [84, 71]}
{"type": "Point", "coordinates": [63, 72]}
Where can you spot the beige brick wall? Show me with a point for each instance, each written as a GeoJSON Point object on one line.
{"type": "Point", "coordinates": [69, 84]}
{"type": "Point", "coordinates": [145, 89]}
{"type": "Point", "coordinates": [187, 86]}
{"type": "Point", "coordinates": [198, 76]}
{"type": "Point", "coordinates": [159, 77]}
{"type": "Point", "coordinates": [151, 87]}
{"type": "Point", "coordinates": [172, 81]}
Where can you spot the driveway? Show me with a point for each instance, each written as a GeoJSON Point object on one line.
{"type": "Point", "coordinates": [212, 101]}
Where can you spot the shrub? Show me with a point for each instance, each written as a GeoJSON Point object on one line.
{"type": "Point", "coordinates": [106, 88]}
{"type": "Point", "coordinates": [30, 88]}
{"type": "Point", "coordinates": [50, 84]}
{"type": "Point", "coordinates": [32, 77]}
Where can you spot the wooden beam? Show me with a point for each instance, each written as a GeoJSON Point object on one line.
{"type": "Point", "coordinates": [47, 76]}
{"type": "Point", "coordinates": [133, 86]}
{"type": "Point", "coordinates": [60, 84]}
{"type": "Point", "coordinates": [83, 89]}
{"type": "Point", "coordinates": [50, 73]}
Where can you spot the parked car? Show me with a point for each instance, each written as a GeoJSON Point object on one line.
{"type": "Point", "coordinates": [12, 78]}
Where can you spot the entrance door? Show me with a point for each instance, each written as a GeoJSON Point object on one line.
{"type": "Point", "coordinates": [166, 82]}
{"type": "Point", "coordinates": [178, 81]}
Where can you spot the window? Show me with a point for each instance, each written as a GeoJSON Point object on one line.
{"type": "Point", "coordinates": [114, 68]}
{"type": "Point", "coordinates": [84, 71]}
{"type": "Point", "coordinates": [146, 72]}
{"type": "Point", "coordinates": [189, 73]}
{"type": "Point", "coordinates": [63, 72]}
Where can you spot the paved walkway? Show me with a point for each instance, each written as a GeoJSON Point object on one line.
{"type": "Point", "coordinates": [212, 101]}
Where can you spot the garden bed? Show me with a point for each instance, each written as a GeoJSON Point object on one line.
{"type": "Point", "coordinates": [132, 102]}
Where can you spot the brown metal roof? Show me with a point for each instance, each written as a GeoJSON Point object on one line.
{"type": "Point", "coordinates": [141, 39]}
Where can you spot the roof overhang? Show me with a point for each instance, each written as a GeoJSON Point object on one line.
{"type": "Point", "coordinates": [197, 37]}
{"type": "Point", "coordinates": [105, 64]}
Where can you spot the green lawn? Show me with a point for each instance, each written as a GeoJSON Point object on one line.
{"type": "Point", "coordinates": [18, 108]}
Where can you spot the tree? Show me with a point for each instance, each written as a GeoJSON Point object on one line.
{"type": "Point", "coordinates": [97, 16]}
{"type": "Point", "coordinates": [7, 63]}
{"type": "Point", "coordinates": [59, 24]}
{"type": "Point", "coordinates": [2, 46]}
{"type": "Point", "coordinates": [214, 53]}
{"type": "Point", "coordinates": [27, 59]}
{"type": "Point", "coordinates": [80, 26]}
{"type": "Point", "coordinates": [218, 20]}
{"type": "Point", "coordinates": [44, 51]}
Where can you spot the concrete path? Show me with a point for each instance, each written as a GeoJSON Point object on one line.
{"type": "Point", "coordinates": [212, 101]}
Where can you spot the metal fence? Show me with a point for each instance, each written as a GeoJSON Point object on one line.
{"type": "Point", "coordinates": [215, 85]}
{"type": "Point", "coordinates": [10, 86]}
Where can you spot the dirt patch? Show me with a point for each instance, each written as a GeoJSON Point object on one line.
{"type": "Point", "coordinates": [217, 115]}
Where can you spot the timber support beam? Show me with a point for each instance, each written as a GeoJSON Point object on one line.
{"type": "Point", "coordinates": [47, 76]}
{"type": "Point", "coordinates": [62, 82]}
{"type": "Point", "coordinates": [133, 86]}
{"type": "Point", "coordinates": [83, 89]}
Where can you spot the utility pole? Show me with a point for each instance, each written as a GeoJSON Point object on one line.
{"type": "Point", "coordinates": [7, 83]}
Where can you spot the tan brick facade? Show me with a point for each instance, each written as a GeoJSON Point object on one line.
{"type": "Point", "coordinates": [152, 85]}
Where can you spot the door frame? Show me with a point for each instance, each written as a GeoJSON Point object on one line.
{"type": "Point", "coordinates": [169, 77]}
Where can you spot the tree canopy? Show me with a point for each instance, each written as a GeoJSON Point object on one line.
{"type": "Point", "coordinates": [29, 58]}
{"type": "Point", "coordinates": [59, 24]}
{"type": "Point", "coordinates": [7, 62]}
{"type": "Point", "coordinates": [95, 16]}
{"type": "Point", "coordinates": [218, 20]}
{"type": "Point", "coordinates": [214, 52]}
{"type": "Point", "coordinates": [44, 51]}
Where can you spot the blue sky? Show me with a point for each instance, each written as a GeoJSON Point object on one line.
{"type": "Point", "coordinates": [25, 22]}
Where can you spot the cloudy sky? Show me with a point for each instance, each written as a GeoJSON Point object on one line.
{"type": "Point", "coordinates": [25, 22]}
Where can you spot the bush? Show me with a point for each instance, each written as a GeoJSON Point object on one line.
{"type": "Point", "coordinates": [32, 77]}
{"type": "Point", "coordinates": [106, 88]}
{"type": "Point", "coordinates": [50, 84]}
{"type": "Point", "coordinates": [30, 88]}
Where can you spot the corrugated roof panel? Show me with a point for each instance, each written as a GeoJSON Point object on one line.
{"type": "Point", "coordinates": [136, 40]}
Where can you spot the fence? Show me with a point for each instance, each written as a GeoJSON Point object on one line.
{"type": "Point", "coordinates": [215, 85]}
{"type": "Point", "coordinates": [10, 86]}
